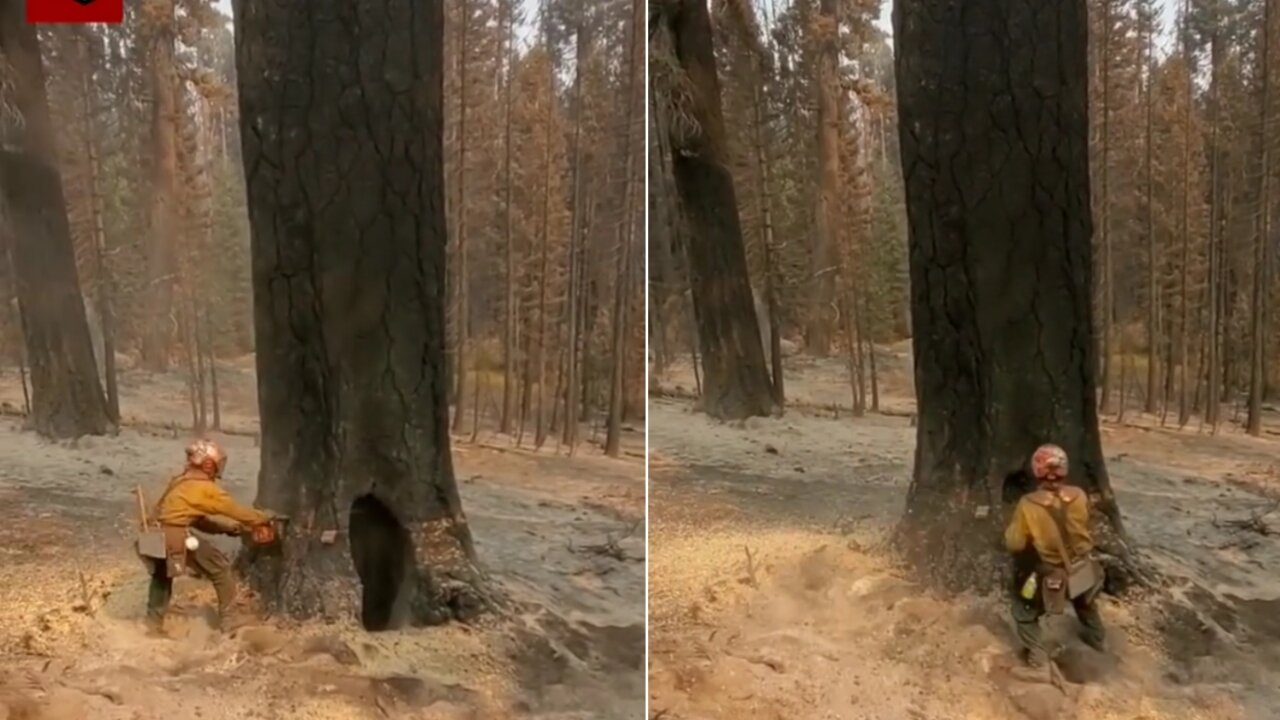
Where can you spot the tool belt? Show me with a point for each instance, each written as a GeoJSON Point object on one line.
{"type": "Point", "coordinates": [1082, 579]}
{"type": "Point", "coordinates": [166, 544]}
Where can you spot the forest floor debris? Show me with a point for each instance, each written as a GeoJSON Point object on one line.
{"type": "Point", "coordinates": [816, 620]}
{"type": "Point", "coordinates": [72, 593]}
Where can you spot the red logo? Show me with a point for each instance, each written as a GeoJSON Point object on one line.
{"type": "Point", "coordinates": [75, 11]}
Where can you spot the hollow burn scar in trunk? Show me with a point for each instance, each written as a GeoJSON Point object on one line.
{"type": "Point", "coordinates": [1016, 485]}
{"type": "Point", "coordinates": [384, 558]}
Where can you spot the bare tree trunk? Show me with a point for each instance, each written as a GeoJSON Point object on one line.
{"type": "Point", "coordinates": [463, 278]}
{"type": "Point", "coordinates": [526, 388]}
{"type": "Point", "coordinates": [1212, 392]}
{"type": "Point", "coordinates": [212, 355]}
{"type": "Point", "coordinates": [1224, 384]}
{"type": "Point", "coordinates": [576, 243]}
{"type": "Point", "coordinates": [1108, 277]}
{"type": "Point", "coordinates": [475, 408]}
{"type": "Point", "coordinates": [735, 374]}
{"type": "Point", "coordinates": [1184, 342]}
{"type": "Point", "coordinates": [765, 190]}
{"type": "Point", "coordinates": [987, 398]}
{"type": "Point", "coordinates": [512, 328]}
{"type": "Point", "coordinates": [851, 345]}
{"type": "Point", "coordinates": [635, 110]}
{"type": "Point", "coordinates": [1153, 289]}
{"type": "Point", "coordinates": [822, 293]}
{"type": "Point", "coordinates": [540, 430]}
{"type": "Point", "coordinates": [350, 316]}
{"type": "Point", "coordinates": [1261, 259]}
{"type": "Point", "coordinates": [106, 279]}
{"type": "Point", "coordinates": [559, 388]}
{"type": "Point", "coordinates": [163, 239]}
{"type": "Point", "coordinates": [875, 380]}
{"type": "Point", "coordinates": [1169, 372]}
{"type": "Point", "coordinates": [66, 394]}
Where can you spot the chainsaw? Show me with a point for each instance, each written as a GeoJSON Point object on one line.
{"type": "Point", "coordinates": [269, 532]}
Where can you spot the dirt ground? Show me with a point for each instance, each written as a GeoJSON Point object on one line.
{"type": "Point", "coordinates": [564, 539]}
{"type": "Point", "coordinates": [773, 594]}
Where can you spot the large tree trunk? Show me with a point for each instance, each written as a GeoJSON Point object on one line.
{"type": "Point", "coordinates": [827, 212]}
{"type": "Point", "coordinates": [163, 238]}
{"type": "Point", "coordinates": [1001, 273]}
{"type": "Point", "coordinates": [349, 268]}
{"type": "Point", "coordinates": [735, 380]}
{"type": "Point", "coordinates": [66, 394]}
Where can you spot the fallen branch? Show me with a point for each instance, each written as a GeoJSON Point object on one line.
{"type": "Point", "coordinates": [1256, 522]}
{"type": "Point", "coordinates": [611, 547]}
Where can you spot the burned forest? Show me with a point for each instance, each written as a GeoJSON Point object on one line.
{"type": "Point", "coordinates": [970, 230]}
{"type": "Point", "coordinates": [387, 259]}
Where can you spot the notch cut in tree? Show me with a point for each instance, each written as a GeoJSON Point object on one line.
{"type": "Point", "coordinates": [342, 121]}
{"type": "Point", "coordinates": [994, 142]}
{"type": "Point", "coordinates": [66, 392]}
{"type": "Point", "coordinates": [683, 72]}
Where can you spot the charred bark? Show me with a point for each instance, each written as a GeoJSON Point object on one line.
{"type": "Point", "coordinates": [735, 379]}
{"type": "Point", "coordinates": [994, 141]}
{"type": "Point", "coordinates": [66, 393]}
{"type": "Point", "coordinates": [342, 122]}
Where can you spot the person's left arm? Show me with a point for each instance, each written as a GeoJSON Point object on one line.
{"type": "Point", "coordinates": [218, 525]}
{"type": "Point", "coordinates": [1018, 534]}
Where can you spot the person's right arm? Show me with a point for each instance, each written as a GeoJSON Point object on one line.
{"type": "Point", "coordinates": [211, 499]}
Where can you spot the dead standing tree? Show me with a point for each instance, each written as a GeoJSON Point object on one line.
{"type": "Point", "coordinates": [683, 72]}
{"type": "Point", "coordinates": [342, 121]}
{"type": "Point", "coordinates": [994, 134]}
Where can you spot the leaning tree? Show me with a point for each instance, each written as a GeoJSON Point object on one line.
{"type": "Point", "coordinates": [735, 380]}
{"type": "Point", "coordinates": [341, 108]}
{"type": "Point", "coordinates": [66, 392]}
{"type": "Point", "coordinates": [994, 138]}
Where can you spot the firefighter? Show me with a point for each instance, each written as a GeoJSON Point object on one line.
{"type": "Point", "coordinates": [1052, 523]}
{"type": "Point", "coordinates": [195, 501]}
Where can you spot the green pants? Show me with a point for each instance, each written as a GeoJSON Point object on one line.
{"type": "Point", "coordinates": [209, 563]}
{"type": "Point", "coordinates": [1026, 615]}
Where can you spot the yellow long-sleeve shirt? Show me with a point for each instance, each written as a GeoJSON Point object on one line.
{"type": "Point", "coordinates": [1032, 524]}
{"type": "Point", "coordinates": [193, 496]}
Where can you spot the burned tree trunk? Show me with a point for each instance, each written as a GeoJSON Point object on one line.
{"type": "Point", "coordinates": [1001, 277]}
{"type": "Point", "coordinates": [66, 393]}
{"type": "Point", "coordinates": [347, 210]}
{"type": "Point", "coordinates": [735, 376]}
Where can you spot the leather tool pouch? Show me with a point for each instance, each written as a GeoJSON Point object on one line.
{"type": "Point", "coordinates": [1053, 589]}
{"type": "Point", "coordinates": [1084, 578]}
{"type": "Point", "coordinates": [175, 544]}
{"type": "Point", "coordinates": [151, 545]}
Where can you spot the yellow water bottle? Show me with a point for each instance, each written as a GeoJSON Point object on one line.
{"type": "Point", "coordinates": [1029, 587]}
